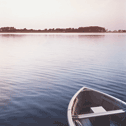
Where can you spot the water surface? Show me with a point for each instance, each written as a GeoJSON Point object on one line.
{"type": "Point", "coordinates": [39, 73]}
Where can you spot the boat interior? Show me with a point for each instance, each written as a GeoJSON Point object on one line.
{"type": "Point", "coordinates": [92, 108]}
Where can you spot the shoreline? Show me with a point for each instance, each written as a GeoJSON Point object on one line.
{"type": "Point", "coordinates": [62, 32]}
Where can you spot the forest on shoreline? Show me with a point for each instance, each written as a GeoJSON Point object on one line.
{"type": "Point", "coordinates": [60, 30]}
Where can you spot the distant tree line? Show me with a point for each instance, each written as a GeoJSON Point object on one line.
{"type": "Point", "coordinates": [80, 29]}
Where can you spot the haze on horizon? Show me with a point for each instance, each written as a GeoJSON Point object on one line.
{"type": "Point", "coordinates": [41, 14]}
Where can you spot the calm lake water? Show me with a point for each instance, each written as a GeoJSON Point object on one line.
{"type": "Point", "coordinates": [39, 74]}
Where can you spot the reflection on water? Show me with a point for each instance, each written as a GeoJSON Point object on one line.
{"type": "Point", "coordinates": [39, 73]}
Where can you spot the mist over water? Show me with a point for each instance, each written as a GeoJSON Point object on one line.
{"type": "Point", "coordinates": [39, 73]}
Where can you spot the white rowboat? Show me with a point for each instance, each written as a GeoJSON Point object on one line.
{"type": "Point", "coordinates": [89, 107]}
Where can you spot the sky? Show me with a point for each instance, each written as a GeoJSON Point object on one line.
{"type": "Point", "coordinates": [41, 14]}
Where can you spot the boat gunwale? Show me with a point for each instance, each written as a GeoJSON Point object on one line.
{"type": "Point", "coordinates": [69, 114]}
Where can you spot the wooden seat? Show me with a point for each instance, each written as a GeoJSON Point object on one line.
{"type": "Point", "coordinates": [90, 115]}
{"type": "Point", "coordinates": [97, 109]}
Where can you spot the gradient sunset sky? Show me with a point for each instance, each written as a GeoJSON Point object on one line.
{"type": "Point", "coordinates": [41, 14]}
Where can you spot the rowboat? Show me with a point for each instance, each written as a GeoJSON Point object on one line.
{"type": "Point", "coordinates": [89, 107]}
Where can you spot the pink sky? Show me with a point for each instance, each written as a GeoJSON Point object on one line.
{"type": "Point", "coordinates": [41, 14]}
